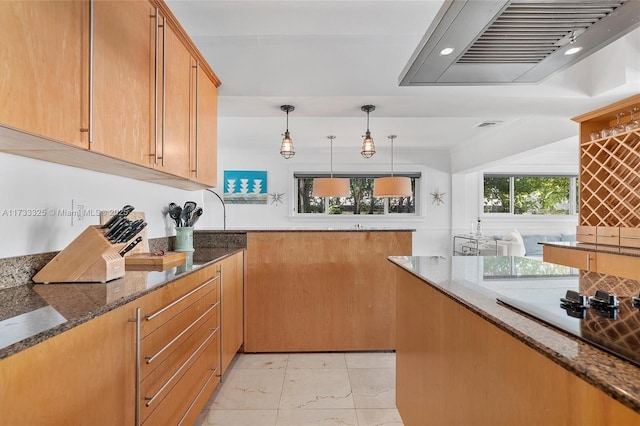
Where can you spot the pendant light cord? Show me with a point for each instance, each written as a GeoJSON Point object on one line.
{"type": "Point", "coordinates": [331, 138]}
{"type": "Point", "coordinates": [392, 137]}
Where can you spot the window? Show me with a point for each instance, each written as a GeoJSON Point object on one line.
{"type": "Point", "coordinates": [539, 195]}
{"type": "Point", "coordinates": [360, 202]}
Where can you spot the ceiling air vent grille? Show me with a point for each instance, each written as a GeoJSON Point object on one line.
{"type": "Point", "coordinates": [529, 32]}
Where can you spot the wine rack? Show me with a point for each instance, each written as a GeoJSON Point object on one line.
{"type": "Point", "coordinates": [609, 170]}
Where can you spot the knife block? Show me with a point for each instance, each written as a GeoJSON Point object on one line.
{"type": "Point", "coordinates": [88, 258]}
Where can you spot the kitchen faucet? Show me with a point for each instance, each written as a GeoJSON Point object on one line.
{"type": "Point", "coordinates": [224, 209]}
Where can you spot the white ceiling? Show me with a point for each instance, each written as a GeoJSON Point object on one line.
{"type": "Point", "coordinates": [328, 58]}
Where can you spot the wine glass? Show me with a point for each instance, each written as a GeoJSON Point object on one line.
{"type": "Point", "coordinates": [619, 127]}
{"type": "Point", "coordinates": [633, 124]}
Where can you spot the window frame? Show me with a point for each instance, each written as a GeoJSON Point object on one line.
{"type": "Point", "coordinates": [574, 202]}
{"type": "Point", "coordinates": [418, 195]}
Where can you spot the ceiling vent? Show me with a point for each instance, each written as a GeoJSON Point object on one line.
{"type": "Point", "coordinates": [518, 41]}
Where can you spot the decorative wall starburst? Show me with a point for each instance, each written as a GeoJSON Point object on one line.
{"type": "Point", "coordinates": [438, 197]}
{"type": "Point", "coordinates": [277, 197]}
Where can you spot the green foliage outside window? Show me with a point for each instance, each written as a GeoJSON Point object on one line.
{"type": "Point", "coordinates": [539, 195]}
{"type": "Point", "coordinates": [360, 202]}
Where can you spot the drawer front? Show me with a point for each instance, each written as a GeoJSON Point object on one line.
{"type": "Point", "coordinates": [161, 306]}
{"type": "Point", "coordinates": [586, 234]}
{"type": "Point", "coordinates": [161, 350]}
{"type": "Point", "coordinates": [609, 235]}
{"type": "Point", "coordinates": [630, 237]}
{"type": "Point", "coordinates": [176, 400]}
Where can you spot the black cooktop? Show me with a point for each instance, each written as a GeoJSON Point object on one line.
{"type": "Point", "coordinates": [614, 330]}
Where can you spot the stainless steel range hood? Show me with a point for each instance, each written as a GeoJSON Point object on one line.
{"type": "Point", "coordinates": [517, 41]}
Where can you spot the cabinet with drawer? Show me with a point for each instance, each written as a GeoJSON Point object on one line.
{"type": "Point", "coordinates": [178, 346]}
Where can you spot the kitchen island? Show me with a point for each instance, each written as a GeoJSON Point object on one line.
{"type": "Point", "coordinates": [463, 358]}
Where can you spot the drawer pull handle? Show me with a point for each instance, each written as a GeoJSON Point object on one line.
{"type": "Point", "coordinates": [150, 359]}
{"type": "Point", "coordinates": [151, 399]}
{"type": "Point", "coordinates": [629, 238]}
{"type": "Point", "coordinates": [175, 302]}
{"type": "Point", "coordinates": [213, 374]}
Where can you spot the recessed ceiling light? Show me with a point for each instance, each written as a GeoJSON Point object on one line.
{"type": "Point", "coordinates": [447, 51]}
{"type": "Point", "coordinates": [573, 50]}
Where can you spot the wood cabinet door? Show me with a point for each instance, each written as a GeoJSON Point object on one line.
{"type": "Point", "coordinates": [618, 265]}
{"type": "Point", "coordinates": [124, 80]}
{"type": "Point", "coordinates": [44, 63]}
{"type": "Point", "coordinates": [175, 104]}
{"type": "Point", "coordinates": [85, 375]}
{"type": "Point", "coordinates": [232, 301]}
{"type": "Point", "coordinates": [580, 259]}
{"type": "Point", "coordinates": [204, 146]}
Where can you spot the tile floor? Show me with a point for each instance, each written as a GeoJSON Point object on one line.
{"type": "Point", "coordinates": [306, 389]}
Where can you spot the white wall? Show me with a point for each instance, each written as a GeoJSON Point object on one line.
{"type": "Point", "coordinates": [432, 224]}
{"type": "Point", "coordinates": [560, 157]}
{"type": "Point", "coordinates": [29, 187]}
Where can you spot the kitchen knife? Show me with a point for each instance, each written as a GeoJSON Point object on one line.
{"type": "Point", "coordinates": [133, 231]}
{"type": "Point", "coordinates": [130, 247]}
{"type": "Point", "coordinates": [124, 212]}
{"type": "Point", "coordinates": [115, 238]}
{"type": "Point", "coordinates": [122, 223]}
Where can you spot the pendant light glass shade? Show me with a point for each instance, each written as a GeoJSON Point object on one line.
{"type": "Point", "coordinates": [368, 146]}
{"type": "Point", "coordinates": [393, 186]}
{"type": "Point", "coordinates": [331, 187]}
{"type": "Point", "coordinates": [286, 147]}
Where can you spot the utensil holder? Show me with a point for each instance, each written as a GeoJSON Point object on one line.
{"type": "Point", "coordinates": [184, 238]}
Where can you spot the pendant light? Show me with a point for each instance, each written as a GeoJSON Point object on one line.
{"type": "Point", "coordinates": [286, 148]}
{"type": "Point", "coordinates": [368, 147]}
{"type": "Point", "coordinates": [331, 187]}
{"type": "Point", "coordinates": [394, 186]}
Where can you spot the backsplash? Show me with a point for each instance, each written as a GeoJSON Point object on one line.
{"type": "Point", "coordinates": [18, 270]}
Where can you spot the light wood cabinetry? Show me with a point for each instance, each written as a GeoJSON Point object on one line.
{"type": "Point", "coordinates": [85, 375]}
{"type": "Point", "coordinates": [232, 302]}
{"type": "Point", "coordinates": [609, 182]}
{"type": "Point", "coordinates": [124, 43]}
{"type": "Point", "coordinates": [581, 259]}
{"type": "Point", "coordinates": [44, 65]}
{"type": "Point", "coordinates": [174, 96]}
{"type": "Point", "coordinates": [321, 291]}
{"type": "Point", "coordinates": [455, 368]}
{"type": "Point", "coordinates": [179, 347]}
{"type": "Point", "coordinates": [114, 78]}
{"type": "Point", "coordinates": [204, 146]}
{"type": "Point", "coordinates": [618, 265]}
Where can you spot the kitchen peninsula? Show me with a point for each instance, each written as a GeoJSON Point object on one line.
{"type": "Point", "coordinates": [461, 355]}
{"type": "Point", "coordinates": [310, 290]}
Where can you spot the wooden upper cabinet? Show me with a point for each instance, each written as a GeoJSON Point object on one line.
{"type": "Point", "coordinates": [204, 146]}
{"type": "Point", "coordinates": [175, 103]}
{"type": "Point", "coordinates": [44, 60]}
{"type": "Point", "coordinates": [124, 80]}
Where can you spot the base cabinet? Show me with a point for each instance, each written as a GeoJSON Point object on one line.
{"type": "Point", "coordinates": [232, 303]}
{"type": "Point", "coordinates": [321, 291]}
{"type": "Point", "coordinates": [85, 375]}
{"type": "Point", "coordinates": [455, 368]}
{"type": "Point", "coordinates": [585, 260]}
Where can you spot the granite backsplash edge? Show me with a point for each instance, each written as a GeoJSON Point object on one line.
{"type": "Point", "coordinates": [18, 270]}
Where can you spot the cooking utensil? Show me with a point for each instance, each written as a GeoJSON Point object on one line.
{"type": "Point", "coordinates": [175, 212]}
{"type": "Point", "coordinates": [122, 223]}
{"type": "Point", "coordinates": [195, 216]}
{"type": "Point", "coordinates": [185, 215]}
{"type": "Point", "coordinates": [130, 247]}
{"type": "Point", "coordinates": [124, 212]}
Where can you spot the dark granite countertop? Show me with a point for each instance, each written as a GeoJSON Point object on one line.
{"type": "Point", "coordinates": [30, 314]}
{"type": "Point", "coordinates": [601, 248]}
{"type": "Point", "coordinates": [476, 282]}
